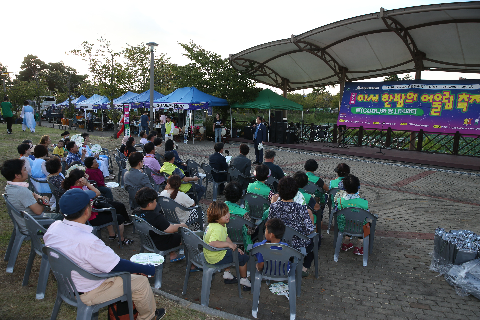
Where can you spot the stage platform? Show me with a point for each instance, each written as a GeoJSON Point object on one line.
{"type": "Point", "coordinates": [416, 157]}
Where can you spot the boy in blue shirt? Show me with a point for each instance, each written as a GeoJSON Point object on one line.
{"type": "Point", "coordinates": [274, 231]}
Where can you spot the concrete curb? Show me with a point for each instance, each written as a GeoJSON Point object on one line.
{"type": "Point", "coordinates": [198, 307]}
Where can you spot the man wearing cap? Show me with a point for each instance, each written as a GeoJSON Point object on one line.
{"type": "Point", "coordinates": [75, 239]}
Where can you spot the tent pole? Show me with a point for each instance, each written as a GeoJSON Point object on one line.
{"type": "Point", "coordinates": [269, 124]}
{"type": "Point", "coordinates": [193, 124]}
{"type": "Point", "coordinates": [231, 123]}
{"type": "Point", "coordinates": [301, 127]}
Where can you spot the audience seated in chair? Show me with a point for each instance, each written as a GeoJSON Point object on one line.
{"type": "Point", "coordinates": [74, 154]}
{"type": "Point", "coordinates": [342, 171]}
{"type": "Point", "coordinates": [77, 179]}
{"type": "Point", "coordinates": [274, 231]}
{"type": "Point", "coordinates": [243, 164]}
{"type": "Point", "coordinates": [60, 150]}
{"type": "Point", "coordinates": [20, 196]}
{"type": "Point", "coordinates": [171, 169]}
{"type": "Point", "coordinates": [101, 159]}
{"type": "Point", "coordinates": [216, 235]}
{"type": "Point", "coordinates": [150, 161]}
{"type": "Point", "coordinates": [172, 191]}
{"type": "Point", "coordinates": [25, 150]}
{"type": "Point", "coordinates": [158, 146]}
{"type": "Point", "coordinates": [38, 168]}
{"type": "Point", "coordinates": [146, 198]}
{"type": "Point", "coordinates": [233, 193]}
{"type": "Point", "coordinates": [219, 163]}
{"type": "Point", "coordinates": [75, 239]}
{"type": "Point", "coordinates": [135, 177]}
{"type": "Point", "coordinates": [276, 171]}
{"type": "Point", "coordinates": [143, 137]}
{"type": "Point", "coordinates": [349, 199]}
{"type": "Point", "coordinates": [259, 187]}
{"type": "Point", "coordinates": [295, 216]}
{"type": "Point", "coordinates": [55, 177]}
{"type": "Point", "coordinates": [151, 137]}
{"type": "Point", "coordinates": [170, 146]}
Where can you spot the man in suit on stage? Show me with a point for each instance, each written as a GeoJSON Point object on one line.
{"type": "Point", "coordinates": [259, 136]}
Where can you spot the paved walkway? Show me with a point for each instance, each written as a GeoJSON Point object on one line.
{"type": "Point", "coordinates": [397, 283]}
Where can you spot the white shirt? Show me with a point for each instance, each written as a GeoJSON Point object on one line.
{"type": "Point", "coordinates": [77, 242]}
{"type": "Point", "coordinates": [143, 141]}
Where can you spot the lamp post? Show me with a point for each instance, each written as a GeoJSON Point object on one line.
{"type": "Point", "coordinates": [152, 47]}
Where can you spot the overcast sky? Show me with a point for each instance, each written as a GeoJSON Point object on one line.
{"type": "Point", "coordinates": [49, 29]}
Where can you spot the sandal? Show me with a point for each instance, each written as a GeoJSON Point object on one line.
{"type": "Point", "coordinates": [178, 258]}
{"type": "Point", "coordinates": [112, 237]}
{"type": "Point", "coordinates": [196, 270]}
{"type": "Point", "coordinates": [127, 242]}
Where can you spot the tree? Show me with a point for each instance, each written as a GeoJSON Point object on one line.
{"type": "Point", "coordinates": [109, 75]}
{"type": "Point", "coordinates": [395, 77]}
{"type": "Point", "coordinates": [211, 74]}
{"type": "Point", "coordinates": [62, 79]}
{"type": "Point", "coordinates": [138, 64]}
{"type": "Point", "coordinates": [30, 67]}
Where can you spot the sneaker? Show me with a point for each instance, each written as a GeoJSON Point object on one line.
{"type": "Point", "coordinates": [346, 247]}
{"type": "Point", "coordinates": [230, 281]}
{"type": "Point", "coordinates": [358, 251]}
{"type": "Point", "coordinates": [159, 313]}
{"type": "Point", "coordinates": [304, 274]}
{"type": "Point", "coordinates": [245, 282]}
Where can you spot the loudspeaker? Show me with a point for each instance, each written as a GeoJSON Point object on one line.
{"type": "Point", "coordinates": [247, 133]}
{"type": "Point", "coordinates": [272, 131]}
{"type": "Point", "coordinates": [278, 116]}
{"type": "Point", "coordinates": [280, 132]}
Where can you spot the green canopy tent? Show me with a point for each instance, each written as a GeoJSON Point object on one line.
{"type": "Point", "coordinates": [267, 99]}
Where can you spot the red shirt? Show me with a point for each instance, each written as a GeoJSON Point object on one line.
{"type": "Point", "coordinates": [96, 175]}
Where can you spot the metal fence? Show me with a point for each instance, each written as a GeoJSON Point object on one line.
{"type": "Point", "coordinates": [433, 142]}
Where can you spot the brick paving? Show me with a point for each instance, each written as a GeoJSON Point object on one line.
{"type": "Point", "coordinates": [397, 283]}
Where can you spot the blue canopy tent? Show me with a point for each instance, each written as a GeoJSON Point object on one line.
{"type": "Point", "coordinates": [189, 99]}
{"type": "Point", "coordinates": [143, 99]}
{"type": "Point", "coordinates": [94, 100]}
{"type": "Point", "coordinates": [124, 98]}
{"type": "Point", "coordinates": [74, 101]}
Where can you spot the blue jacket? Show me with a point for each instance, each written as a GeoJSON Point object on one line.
{"type": "Point", "coordinates": [261, 134]}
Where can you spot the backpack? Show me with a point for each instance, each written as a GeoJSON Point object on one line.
{"type": "Point", "coordinates": [119, 311]}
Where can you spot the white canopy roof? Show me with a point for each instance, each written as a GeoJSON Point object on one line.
{"type": "Point", "coordinates": [444, 37]}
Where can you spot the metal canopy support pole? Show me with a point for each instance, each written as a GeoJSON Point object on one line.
{"type": "Point", "coordinates": [301, 128]}
{"type": "Point", "coordinates": [284, 88]}
{"type": "Point", "coordinates": [418, 75]}
{"type": "Point", "coordinates": [269, 124]}
{"type": "Point", "coordinates": [342, 87]}
{"type": "Point", "coordinates": [193, 126]}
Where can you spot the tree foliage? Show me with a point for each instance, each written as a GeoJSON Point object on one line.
{"type": "Point", "coordinates": [212, 74]}
{"type": "Point", "coordinates": [395, 77]}
{"type": "Point", "coordinates": [319, 98]}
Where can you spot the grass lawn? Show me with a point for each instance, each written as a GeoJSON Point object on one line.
{"type": "Point", "coordinates": [19, 302]}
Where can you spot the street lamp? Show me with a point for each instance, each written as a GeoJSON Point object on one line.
{"type": "Point", "coordinates": [152, 47]}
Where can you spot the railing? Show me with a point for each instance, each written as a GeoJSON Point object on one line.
{"type": "Point", "coordinates": [433, 142]}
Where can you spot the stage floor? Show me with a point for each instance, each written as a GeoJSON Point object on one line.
{"type": "Point", "coordinates": [424, 158]}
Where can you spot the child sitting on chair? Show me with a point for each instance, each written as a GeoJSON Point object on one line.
{"type": "Point", "coordinates": [146, 198]}
{"type": "Point", "coordinates": [274, 231]}
{"type": "Point", "coordinates": [216, 236]}
{"type": "Point", "coordinates": [60, 150]}
{"type": "Point", "coordinates": [351, 199]}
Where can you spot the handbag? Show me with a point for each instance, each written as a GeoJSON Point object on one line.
{"type": "Point", "coordinates": [119, 311]}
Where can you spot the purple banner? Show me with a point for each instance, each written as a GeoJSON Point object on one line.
{"type": "Point", "coordinates": [434, 106]}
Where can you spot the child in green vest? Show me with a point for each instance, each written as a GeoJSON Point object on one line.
{"type": "Point", "coordinates": [348, 200]}
{"type": "Point", "coordinates": [233, 193]}
{"type": "Point", "coordinates": [216, 235]}
{"type": "Point", "coordinates": [259, 187]}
